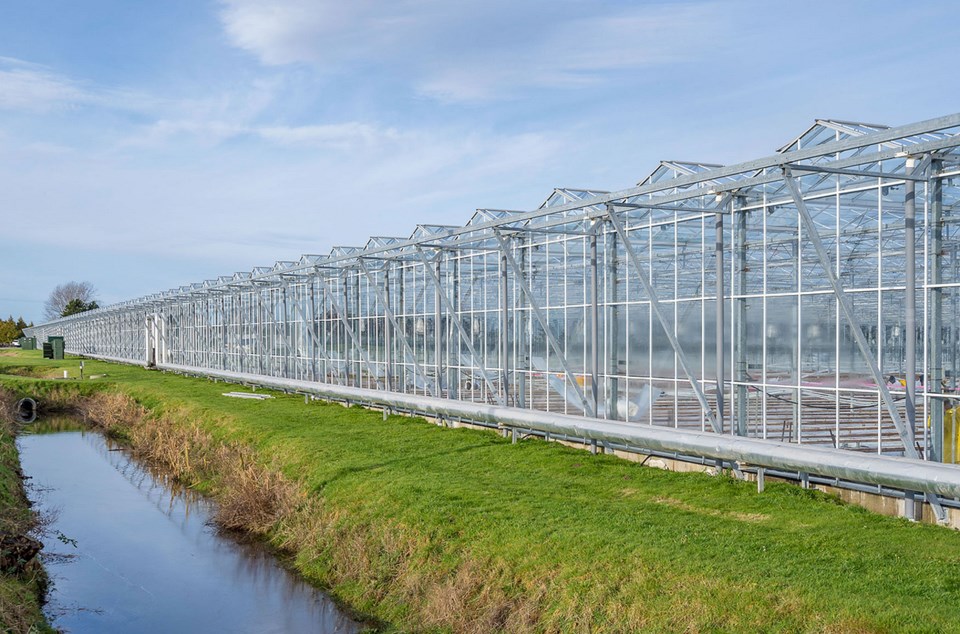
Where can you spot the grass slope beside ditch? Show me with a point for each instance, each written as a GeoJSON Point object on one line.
{"type": "Point", "coordinates": [22, 582]}
{"type": "Point", "coordinates": [431, 529]}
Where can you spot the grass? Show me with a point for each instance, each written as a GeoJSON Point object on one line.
{"type": "Point", "coordinates": [424, 528]}
{"type": "Point", "coordinates": [22, 587]}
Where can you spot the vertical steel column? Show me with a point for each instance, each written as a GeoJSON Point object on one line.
{"type": "Point", "coordinates": [954, 328]}
{"type": "Point", "coordinates": [387, 331]}
{"type": "Point", "coordinates": [612, 327]}
{"type": "Point", "coordinates": [438, 334]}
{"type": "Point", "coordinates": [223, 332]}
{"type": "Point", "coordinates": [594, 320]}
{"type": "Point", "coordinates": [721, 323]}
{"type": "Point", "coordinates": [311, 328]}
{"type": "Point", "coordinates": [358, 329]}
{"type": "Point", "coordinates": [740, 315]}
{"type": "Point", "coordinates": [284, 340]}
{"type": "Point", "coordinates": [345, 319]}
{"type": "Point", "coordinates": [504, 320]}
{"type": "Point", "coordinates": [260, 330]}
{"type": "Point", "coordinates": [241, 355]}
{"type": "Point", "coordinates": [935, 336]}
{"type": "Point", "coordinates": [910, 299]}
{"type": "Point", "coordinates": [796, 322]}
{"type": "Point", "coordinates": [453, 322]}
{"type": "Point", "coordinates": [401, 332]}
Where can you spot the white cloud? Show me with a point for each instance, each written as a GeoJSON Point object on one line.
{"type": "Point", "coordinates": [342, 135]}
{"type": "Point", "coordinates": [470, 51]}
{"type": "Point", "coordinates": [292, 31]}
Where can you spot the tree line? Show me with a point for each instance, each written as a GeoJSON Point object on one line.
{"type": "Point", "coordinates": [11, 329]}
{"type": "Point", "coordinates": [65, 300]}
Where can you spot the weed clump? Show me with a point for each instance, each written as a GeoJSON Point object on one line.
{"type": "Point", "coordinates": [250, 497]}
{"type": "Point", "coordinates": [255, 499]}
{"type": "Point", "coordinates": [114, 413]}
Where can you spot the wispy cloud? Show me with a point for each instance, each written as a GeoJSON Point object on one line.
{"type": "Point", "coordinates": [325, 31]}
{"type": "Point", "coordinates": [25, 86]}
{"type": "Point", "coordinates": [579, 53]}
{"type": "Point", "coordinates": [343, 135]}
{"type": "Point", "coordinates": [350, 135]}
{"type": "Point", "coordinates": [489, 50]}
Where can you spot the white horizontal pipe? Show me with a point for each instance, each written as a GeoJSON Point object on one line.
{"type": "Point", "coordinates": [900, 473]}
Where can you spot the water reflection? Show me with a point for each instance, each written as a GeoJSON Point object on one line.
{"type": "Point", "coordinates": [53, 425]}
{"type": "Point", "coordinates": [146, 557]}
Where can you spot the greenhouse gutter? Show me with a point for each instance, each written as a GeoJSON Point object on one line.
{"type": "Point", "coordinates": [894, 472]}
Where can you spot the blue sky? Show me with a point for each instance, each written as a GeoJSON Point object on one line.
{"type": "Point", "coordinates": [146, 145]}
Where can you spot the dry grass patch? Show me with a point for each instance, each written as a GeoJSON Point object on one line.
{"type": "Point", "coordinates": [250, 496]}
{"type": "Point", "coordinates": [112, 412]}
{"type": "Point", "coordinates": [683, 506]}
{"type": "Point", "coordinates": [255, 498]}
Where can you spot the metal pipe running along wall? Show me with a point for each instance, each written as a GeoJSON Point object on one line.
{"type": "Point", "coordinates": [900, 473]}
{"type": "Point", "coordinates": [640, 308]}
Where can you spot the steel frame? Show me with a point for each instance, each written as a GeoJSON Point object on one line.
{"type": "Point", "coordinates": [794, 312]}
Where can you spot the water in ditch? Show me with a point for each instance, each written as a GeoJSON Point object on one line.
{"type": "Point", "coordinates": [129, 553]}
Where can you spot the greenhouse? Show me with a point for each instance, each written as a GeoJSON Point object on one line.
{"type": "Point", "coordinates": [809, 297]}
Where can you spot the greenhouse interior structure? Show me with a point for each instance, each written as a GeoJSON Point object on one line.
{"type": "Point", "coordinates": [808, 299]}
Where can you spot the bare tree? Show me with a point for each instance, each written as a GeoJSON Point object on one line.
{"type": "Point", "coordinates": [65, 293]}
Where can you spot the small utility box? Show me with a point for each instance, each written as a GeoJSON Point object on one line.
{"type": "Point", "coordinates": [28, 343]}
{"type": "Point", "coordinates": [56, 344]}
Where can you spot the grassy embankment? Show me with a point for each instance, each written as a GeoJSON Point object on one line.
{"type": "Point", "coordinates": [22, 581]}
{"type": "Point", "coordinates": [425, 528]}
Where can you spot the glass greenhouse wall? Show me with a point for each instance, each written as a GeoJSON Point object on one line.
{"type": "Point", "coordinates": [808, 297]}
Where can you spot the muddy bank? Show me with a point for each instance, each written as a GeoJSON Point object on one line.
{"type": "Point", "coordinates": [23, 581]}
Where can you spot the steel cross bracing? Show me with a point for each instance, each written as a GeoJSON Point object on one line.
{"type": "Point", "coordinates": [631, 305]}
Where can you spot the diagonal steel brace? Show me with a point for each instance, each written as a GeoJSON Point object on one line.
{"type": "Point", "coordinates": [350, 333]}
{"type": "Point", "coordinates": [308, 324]}
{"type": "Point", "coordinates": [382, 298]}
{"type": "Point", "coordinates": [664, 323]}
{"type": "Point", "coordinates": [542, 320]}
{"type": "Point", "coordinates": [844, 302]}
{"type": "Point", "coordinates": [448, 306]}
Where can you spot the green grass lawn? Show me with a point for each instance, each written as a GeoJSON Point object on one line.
{"type": "Point", "coordinates": [560, 540]}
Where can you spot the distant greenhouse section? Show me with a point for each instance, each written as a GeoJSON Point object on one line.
{"type": "Point", "coordinates": [809, 297]}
